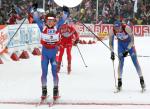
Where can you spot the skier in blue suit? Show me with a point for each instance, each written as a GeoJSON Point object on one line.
{"type": "Point", "coordinates": [125, 39]}
{"type": "Point", "coordinates": [50, 40]}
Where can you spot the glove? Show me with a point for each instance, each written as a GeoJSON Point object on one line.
{"type": "Point", "coordinates": [125, 54]}
{"type": "Point", "coordinates": [35, 6]}
{"type": "Point", "coordinates": [76, 42]}
{"type": "Point", "coordinates": [66, 9]}
{"type": "Point", "coordinates": [112, 56]}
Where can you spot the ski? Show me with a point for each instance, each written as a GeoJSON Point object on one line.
{"type": "Point", "coordinates": [118, 89]}
{"type": "Point", "coordinates": [55, 100]}
{"type": "Point", "coordinates": [43, 101]}
{"type": "Point", "coordinates": [143, 90]}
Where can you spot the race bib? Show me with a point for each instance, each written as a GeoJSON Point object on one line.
{"type": "Point", "coordinates": [121, 36]}
{"type": "Point", "coordinates": [51, 31]}
{"type": "Point", "coordinates": [50, 38]}
{"type": "Point", "coordinates": [67, 34]}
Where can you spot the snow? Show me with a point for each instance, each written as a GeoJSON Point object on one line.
{"type": "Point", "coordinates": [89, 87]}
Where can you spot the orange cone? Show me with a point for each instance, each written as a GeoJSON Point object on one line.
{"type": "Point", "coordinates": [90, 42]}
{"type": "Point", "coordinates": [36, 51]}
{"type": "Point", "coordinates": [24, 55]}
{"type": "Point", "coordinates": [81, 42]}
{"type": "Point", "coordinates": [84, 42]}
{"type": "Point", "coordinates": [14, 57]}
{"type": "Point", "coordinates": [94, 42]}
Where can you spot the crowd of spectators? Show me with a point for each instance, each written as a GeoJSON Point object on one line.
{"type": "Point", "coordinates": [108, 10]}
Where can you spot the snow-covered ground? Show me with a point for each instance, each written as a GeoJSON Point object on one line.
{"type": "Point", "coordinates": [85, 88]}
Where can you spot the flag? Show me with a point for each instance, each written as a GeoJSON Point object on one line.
{"type": "Point", "coordinates": [135, 6]}
{"type": "Point", "coordinates": [103, 11]}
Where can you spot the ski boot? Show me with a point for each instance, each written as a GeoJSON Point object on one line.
{"type": "Point", "coordinates": [55, 93]}
{"type": "Point", "coordinates": [142, 83]}
{"type": "Point", "coordinates": [69, 68]}
{"type": "Point", "coordinates": [119, 87]}
{"type": "Point", "coordinates": [44, 93]}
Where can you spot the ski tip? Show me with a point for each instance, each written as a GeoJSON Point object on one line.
{"type": "Point", "coordinates": [143, 90]}
{"type": "Point", "coordinates": [117, 90]}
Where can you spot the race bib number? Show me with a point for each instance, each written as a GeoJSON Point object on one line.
{"type": "Point", "coordinates": [50, 38]}
{"type": "Point", "coordinates": [121, 36]}
{"type": "Point", "coordinates": [51, 31]}
{"type": "Point", "coordinates": [67, 34]}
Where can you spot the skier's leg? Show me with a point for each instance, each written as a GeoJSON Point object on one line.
{"type": "Point", "coordinates": [54, 66]}
{"type": "Point", "coordinates": [69, 57]}
{"type": "Point", "coordinates": [54, 73]}
{"type": "Point", "coordinates": [133, 55]}
{"type": "Point", "coordinates": [44, 65]}
{"type": "Point", "coordinates": [121, 64]}
{"type": "Point", "coordinates": [60, 58]}
{"type": "Point", "coordinates": [121, 59]}
{"type": "Point", "coordinates": [120, 72]}
{"type": "Point", "coordinates": [55, 79]}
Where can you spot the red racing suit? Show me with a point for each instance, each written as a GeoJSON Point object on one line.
{"type": "Point", "coordinates": [68, 36]}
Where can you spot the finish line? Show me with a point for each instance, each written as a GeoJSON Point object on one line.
{"type": "Point", "coordinates": [72, 103]}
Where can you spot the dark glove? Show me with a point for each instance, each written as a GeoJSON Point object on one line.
{"type": "Point", "coordinates": [35, 6]}
{"type": "Point", "coordinates": [112, 56]}
{"type": "Point", "coordinates": [66, 9]}
{"type": "Point", "coordinates": [125, 54]}
{"type": "Point", "coordinates": [76, 42]}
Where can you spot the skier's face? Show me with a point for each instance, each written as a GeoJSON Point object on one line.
{"type": "Point", "coordinates": [51, 22]}
{"type": "Point", "coordinates": [118, 28]}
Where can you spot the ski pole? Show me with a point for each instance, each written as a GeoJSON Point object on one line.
{"type": "Point", "coordinates": [114, 73]}
{"type": "Point", "coordinates": [142, 56]}
{"type": "Point", "coordinates": [16, 32]}
{"type": "Point", "coordinates": [99, 39]}
{"type": "Point", "coordinates": [81, 56]}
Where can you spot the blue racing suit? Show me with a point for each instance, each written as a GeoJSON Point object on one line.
{"type": "Point", "coordinates": [49, 41]}
{"type": "Point", "coordinates": [125, 44]}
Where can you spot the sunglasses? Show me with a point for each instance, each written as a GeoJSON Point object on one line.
{"type": "Point", "coordinates": [51, 20]}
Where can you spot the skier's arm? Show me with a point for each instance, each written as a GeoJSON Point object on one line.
{"type": "Point", "coordinates": [111, 44]}
{"type": "Point", "coordinates": [130, 33]}
{"type": "Point", "coordinates": [63, 18]}
{"type": "Point", "coordinates": [39, 22]}
{"type": "Point", "coordinates": [76, 41]}
{"type": "Point", "coordinates": [76, 34]}
{"type": "Point", "coordinates": [111, 40]}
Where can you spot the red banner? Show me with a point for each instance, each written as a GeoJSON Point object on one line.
{"type": "Point", "coordinates": [138, 30]}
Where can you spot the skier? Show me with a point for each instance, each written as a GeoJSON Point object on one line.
{"type": "Point", "coordinates": [125, 45]}
{"type": "Point", "coordinates": [50, 40]}
{"type": "Point", "coordinates": [69, 37]}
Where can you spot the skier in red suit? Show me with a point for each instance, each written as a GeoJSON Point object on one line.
{"type": "Point", "coordinates": [69, 37]}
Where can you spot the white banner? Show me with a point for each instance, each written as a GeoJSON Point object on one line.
{"type": "Point", "coordinates": [28, 34]}
{"type": "Point", "coordinates": [3, 39]}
